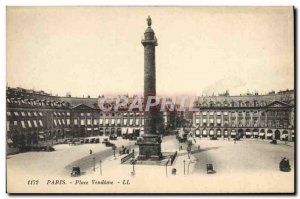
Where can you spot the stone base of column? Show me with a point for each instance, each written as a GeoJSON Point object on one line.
{"type": "Point", "coordinates": [150, 147]}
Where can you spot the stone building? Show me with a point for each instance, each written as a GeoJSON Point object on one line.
{"type": "Point", "coordinates": [268, 116]}
{"type": "Point", "coordinates": [35, 117]}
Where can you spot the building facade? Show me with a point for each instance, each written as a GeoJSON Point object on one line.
{"type": "Point", "coordinates": [268, 116]}
{"type": "Point", "coordinates": [35, 117]}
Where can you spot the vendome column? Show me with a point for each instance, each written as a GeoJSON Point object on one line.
{"type": "Point", "coordinates": [150, 146]}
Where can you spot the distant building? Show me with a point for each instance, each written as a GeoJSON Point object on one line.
{"type": "Point", "coordinates": [268, 116]}
{"type": "Point", "coordinates": [39, 118]}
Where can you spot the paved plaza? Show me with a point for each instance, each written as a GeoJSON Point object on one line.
{"type": "Point", "coordinates": [248, 165]}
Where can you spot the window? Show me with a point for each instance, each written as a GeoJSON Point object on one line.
{"type": "Point", "coordinates": [7, 125]}
{"type": "Point", "coordinates": [125, 121]}
{"type": "Point", "coordinates": [82, 122]}
{"type": "Point", "coordinates": [63, 121]}
{"type": "Point", "coordinates": [119, 121]}
{"type": "Point", "coordinates": [41, 123]}
{"type": "Point", "coordinates": [41, 114]}
{"type": "Point", "coordinates": [68, 122]}
{"type": "Point", "coordinates": [137, 122]}
{"type": "Point", "coordinates": [88, 121]}
{"type": "Point", "coordinates": [211, 113]}
{"type": "Point", "coordinates": [16, 113]}
{"type": "Point", "coordinates": [225, 122]}
{"type": "Point", "coordinates": [88, 114]}
{"type": "Point", "coordinates": [218, 113]}
{"type": "Point", "coordinates": [113, 121]}
{"type": "Point", "coordinates": [68, 113]}
{"type": "Point", "coordinates": [55, 123]}
{"type": "Point", "coordinates": [197, 121]}
{"type": "Point", "coordinates": [29, 114]}
{"type": "Point", "coordinates": [95, 121]}
{"type": "Point", "coordinates": [35, 123]}
{"type": "Point", "coordinates": [23, 124]}
{"type": "Point", "coordinates": [29, 124]}
{"type": "Point", "coordinates": [81, 114]}
{"type": "Point", "coordinates": [59, 114]}
{"type": "Point", "coordinates": [131, 122]}
{"type": "Point", "coordinates": [75, 122]}
{"type": "Point", "coordinates": [15, 123]}
{"type": "Point", "coordinates": [8, 113]}
{"type": "Point", "coordinates": [101, 121]}
{"type": "Point", "coordinates": [204, 113]}
{"type": "Point", "coordinates": [59, 122]}
{"type": "Point", "coordinates": [35, 113]}
{"type": "Point", "coordinates": [107, 122]}
{"type": "Point", "coordinates": [226, 113]}
{"type": "Point", "coordinates": [143, 121]}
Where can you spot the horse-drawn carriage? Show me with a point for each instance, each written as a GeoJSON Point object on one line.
{"type": "Point", "coordinates": [210, 169]}
{"type": "Point", "coordinates": [284, 165]}
{"type": "Point", "coordinates": [75, 172]}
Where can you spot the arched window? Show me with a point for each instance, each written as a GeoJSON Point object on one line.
{"type": "Point", "coordinates": [232, 104]}
{"type": "Point", "coordinates": [225, 103]}
{"type": "Point", "coordinates": [247, 104]}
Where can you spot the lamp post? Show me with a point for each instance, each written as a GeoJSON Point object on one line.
{"type": "Point", "coordinates": [94, 160]}
{"type": "Point", "coordinates": [133, 161]}
{"type": "Point", "coordinates": [114, 149]}
{"type": "Point", "coordinates": [100, 167]}
{"type": "Point", "coordinates": [167, 167]}
{"type": "Point", "coordinates": [183, 167]}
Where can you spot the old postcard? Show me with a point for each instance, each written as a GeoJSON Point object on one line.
{"type": "Point", "coordinates": [150, 100]}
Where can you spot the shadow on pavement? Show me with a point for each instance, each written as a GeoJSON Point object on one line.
{"type": "Point", "coordinates": [199, 151]}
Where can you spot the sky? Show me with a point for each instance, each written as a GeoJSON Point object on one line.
{"type": "Point", "coordinates": [201, 50]}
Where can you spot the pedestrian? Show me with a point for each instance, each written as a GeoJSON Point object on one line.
{"type": "Point", "coordinates": [91, 152]}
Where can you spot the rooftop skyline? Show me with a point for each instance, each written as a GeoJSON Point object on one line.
{"type": "Point", "coordinates": [94, 51]}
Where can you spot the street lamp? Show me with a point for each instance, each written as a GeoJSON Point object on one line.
{"type": "Point", "coordinates": [114, 149]}
{"type": "Point", "coordinates": [100, 168]}
{"type": "Point", "coordinates": [167, 167]}
{"type": "Point", "coordinates": [94, 159]}
{"type": "Point", "coordinates": [133, 161]}
{"type": "Point", "coordinates": [183, 167]}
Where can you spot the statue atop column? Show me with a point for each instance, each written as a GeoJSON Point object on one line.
{"type": "Point", "coordinates": [149, 21]}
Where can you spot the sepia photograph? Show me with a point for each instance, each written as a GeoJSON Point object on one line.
{"type": "Point", "coordinates": [150, 100]}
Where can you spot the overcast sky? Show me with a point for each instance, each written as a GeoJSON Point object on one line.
{"type": "Point", "coordinates": [98, 50]}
